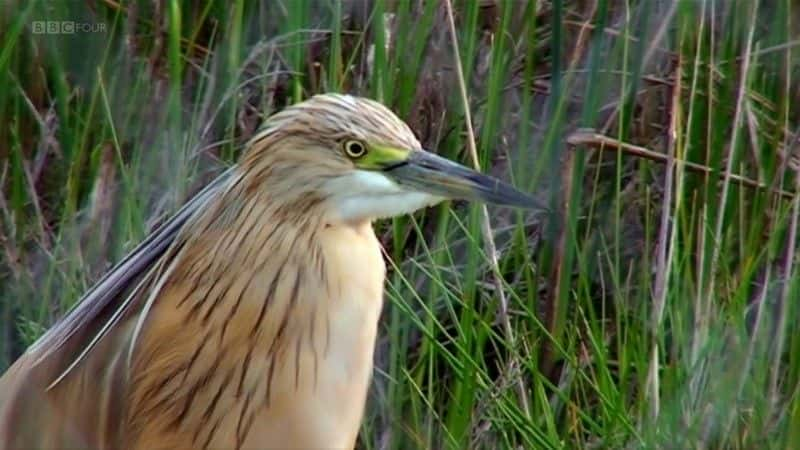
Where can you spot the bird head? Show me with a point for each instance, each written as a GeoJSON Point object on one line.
{"type": "Point", "coordinates": [365, 161]}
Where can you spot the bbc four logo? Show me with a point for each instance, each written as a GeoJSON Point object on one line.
{"type": "Point", "coordinates": [66, 27]}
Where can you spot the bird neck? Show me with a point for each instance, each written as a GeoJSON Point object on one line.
{"type": "Point", "coordinates": [270, 304]}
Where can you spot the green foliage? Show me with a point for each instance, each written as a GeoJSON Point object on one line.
{"type": "Point", "coordinates": [653, 309]}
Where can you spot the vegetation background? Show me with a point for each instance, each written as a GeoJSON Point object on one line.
{"type": "Point", "coordinates": [657, 307]}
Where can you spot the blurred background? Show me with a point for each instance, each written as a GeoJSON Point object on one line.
{"type": "Point", "coordinates": [656, 307]}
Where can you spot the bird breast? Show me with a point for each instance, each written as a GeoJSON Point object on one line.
{"type": "Point", "coordinates": [267, 355]}
{"type": "Point", "coordinates": [321, 406]}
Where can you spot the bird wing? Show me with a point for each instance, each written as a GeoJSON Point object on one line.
{"type": "Point", "coordinates": [106, 299]}
{"type": "Point", "coordinates": [40, 407]}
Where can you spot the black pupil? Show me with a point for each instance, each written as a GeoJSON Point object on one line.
{"type": "Point", "coordinates": [356, 149]}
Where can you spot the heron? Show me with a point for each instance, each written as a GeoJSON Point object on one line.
{"type": "Point", "coordinates": [248, 319]}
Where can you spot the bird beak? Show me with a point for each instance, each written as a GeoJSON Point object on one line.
{"type": "Point", "coordinates": [424, 171]}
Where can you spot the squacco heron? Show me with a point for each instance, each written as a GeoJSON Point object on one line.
{"type": "Point", "coordinates": [248, 320]}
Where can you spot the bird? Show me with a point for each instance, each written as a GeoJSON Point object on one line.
{"type": "Point", "coordinates": [249, 318]}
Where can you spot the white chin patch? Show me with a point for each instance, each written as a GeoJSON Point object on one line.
{"type": "Point", "coordinates": [366, 195]}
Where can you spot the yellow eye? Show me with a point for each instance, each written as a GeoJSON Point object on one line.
{"type": "Point", "coordinates": [355, 149]}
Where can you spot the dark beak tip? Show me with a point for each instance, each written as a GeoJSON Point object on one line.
{"type": "Point", "coordinates": [523, 201]}
{"type": "Point", "coordinates": [430, 173]}
{"type": "Point", "coordinates": [509, 196]}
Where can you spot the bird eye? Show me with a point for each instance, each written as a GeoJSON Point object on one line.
{"type": "Point", "coordinates": [355, 149]}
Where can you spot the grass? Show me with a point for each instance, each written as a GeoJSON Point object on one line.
{"type": "Point", "coordinates": [653, 309]}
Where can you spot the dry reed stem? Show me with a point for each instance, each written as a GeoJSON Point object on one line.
{"type": "Point", "coordinates": [486, 226]}
{"type": "Point", "coordinates": [590, 138]}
